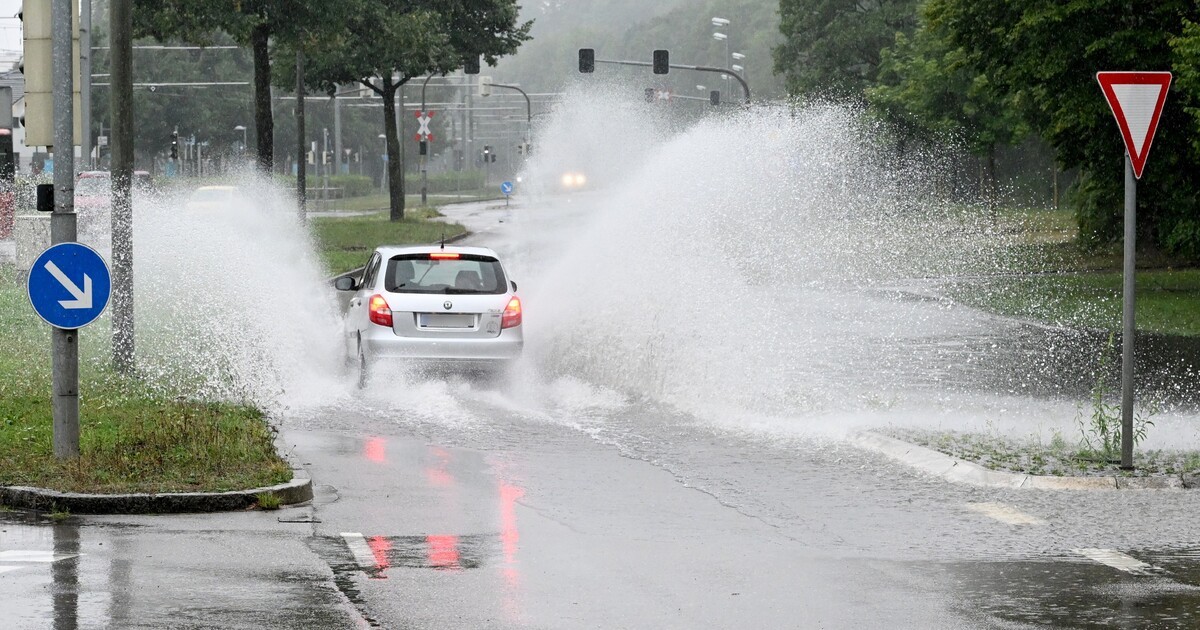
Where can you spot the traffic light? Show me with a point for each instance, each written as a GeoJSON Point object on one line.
{"type": "Point", "coordinates": [175, 146]}
{"type": "Point", "coordinates": [587, 60]}
{"type": "Point", "coordinates": [714, 97]}
{"type": "Point", "coordinates": [520, 148]}
{"type": "Point", "coordinates": [424, 147]}
{"type": "Point", "coordinates": [650, 95]}
{"type": "Point", "coordinates": [471, 65]}
{"type": "Point", "coordinates": [485, 86]}
{"type": "Point", "coordinates": [662, 62]}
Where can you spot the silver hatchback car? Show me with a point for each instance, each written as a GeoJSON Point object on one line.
{"type": "Point", "coordinates": [432, 304]}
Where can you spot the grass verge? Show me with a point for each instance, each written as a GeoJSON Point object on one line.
{"type": "Point", "coordinates": [1055, 457]}
{"type": "Point", "coordinates": [345, 243]}
{"type": "Point", "coordinates": [131, 440]}
{"type": "Point", "coordinates": [1053, 281]}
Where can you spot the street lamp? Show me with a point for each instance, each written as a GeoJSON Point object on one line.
{"type": "Point", "coordinates": [720, 22]}
{"type": "Point", "coordinates": [242, 128]}
{"type": "Point", "coordinates": [737, 68]}
{"type": "Point", "coordinates": [738, 56]}
{"type": "Point", "coordinates": [702, 88]}
{"type": "Point", "coordinates": [720, 37]}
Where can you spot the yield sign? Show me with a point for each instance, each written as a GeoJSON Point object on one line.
{"type": "Point", "coordinates": [1136, 99]}
{"type": "Point", "coordinates": [423, 132]}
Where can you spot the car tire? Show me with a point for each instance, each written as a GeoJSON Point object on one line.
{"type": "Point", "coordinates": [364, 372]}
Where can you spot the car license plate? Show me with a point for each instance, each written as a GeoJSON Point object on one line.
{"type": "Point", "coordinates": [447, 320]}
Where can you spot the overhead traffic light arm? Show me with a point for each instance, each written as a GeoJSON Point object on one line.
{"type": "Point", "coordinates": [647, 64]}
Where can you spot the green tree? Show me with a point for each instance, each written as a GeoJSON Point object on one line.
{"type": "Point", "coordinates": [834, 47]}
{"type": "Point", "coordinates": [929, 88]}
{"type": "Point", "coordinates": [1046, 54]}
{"type": "Point", "coordinates": [384, 44]}
{"type": "Point", "coordinates": [251, 23]}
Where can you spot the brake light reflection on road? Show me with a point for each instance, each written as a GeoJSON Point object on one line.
{"type": "Point", "coordinates": [443, 552]}
{"type": "Point", "coordinates": [380, 546]}
{"type": "Point", "coordinates": [375, 450]}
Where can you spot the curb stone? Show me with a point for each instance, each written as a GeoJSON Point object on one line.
{"type": "Point", "coordinates": [958, 470]}
{"type": "Point", "coordinates": [298, 490]}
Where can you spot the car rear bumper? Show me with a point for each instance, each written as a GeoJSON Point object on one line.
{"type": "Point", "coordinates": [383, 344]}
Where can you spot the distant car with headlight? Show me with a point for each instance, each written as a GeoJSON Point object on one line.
{"type": "Point", "coordinates": [573, 180]}
{"type": "Point", "coordinates": [432, 305]}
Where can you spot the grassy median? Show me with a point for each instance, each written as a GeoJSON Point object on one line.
{"type": "Point", "coordinates": [131, 440]}
{"type": "Point", "coordinates": [1052, 280]}
{"type": "Point", "coordinates": [345, 243]}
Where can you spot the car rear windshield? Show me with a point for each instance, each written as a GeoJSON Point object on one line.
{"type": "Point", "coordinates": [444, 272]}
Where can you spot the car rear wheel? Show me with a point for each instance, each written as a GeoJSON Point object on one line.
{"type": "Point", "coordinates": [363, 371]}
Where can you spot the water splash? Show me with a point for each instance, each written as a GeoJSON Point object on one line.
{"type": "Point", "coordinates": [761, 265]}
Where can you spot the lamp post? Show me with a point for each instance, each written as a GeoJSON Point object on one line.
{"type": "Point", "coordinates": [737, 56]}
{"type": "Point", "coordinates": [719, 22]}
{"type": "Point", "coordinates": [242, 128]}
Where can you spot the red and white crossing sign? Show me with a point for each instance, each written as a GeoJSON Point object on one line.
{"type": "Point", "coordinates": [423, 133]}
{"type": "Point", "coordinates": [1136, 99]}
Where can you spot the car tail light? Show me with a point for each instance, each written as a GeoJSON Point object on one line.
{"type": "Point", "coordinates": [379, 312]}
{"type": "Point", "coordinates": [444, 256]}
{"type": "Point", "coordinates": [512, 314]}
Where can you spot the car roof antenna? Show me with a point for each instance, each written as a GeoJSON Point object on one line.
{"type": "Point", "coordinates": [443, 238]}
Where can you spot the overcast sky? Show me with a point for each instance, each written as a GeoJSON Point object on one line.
{"type": "Point", "coordinates": [10, 33]}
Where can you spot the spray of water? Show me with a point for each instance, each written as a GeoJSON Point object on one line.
{"type": "Point", "coordinates": [752, 269]}
{"type": "Point", "coordinates": [230, 301]}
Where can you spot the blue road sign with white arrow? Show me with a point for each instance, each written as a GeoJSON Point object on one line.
{"type": "Point", "coordinates": [69, 285]}
{"type": "Point", "coordinates": [506, 188]}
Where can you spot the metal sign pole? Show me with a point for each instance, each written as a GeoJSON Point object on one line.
{"type": "Point", "coordinates": [1127, 318]}
{"type": "Point", "coordinates": [64, 343]}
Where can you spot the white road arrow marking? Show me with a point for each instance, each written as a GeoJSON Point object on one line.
{"type": "Point", "coordinates": [83, 299]}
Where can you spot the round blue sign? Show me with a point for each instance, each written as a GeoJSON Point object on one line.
{"type": "Point", "coordinates": [69, 285]}
{"type": "Point", "coordinates": [506, 188]}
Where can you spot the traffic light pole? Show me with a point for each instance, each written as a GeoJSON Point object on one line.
{"type": "Point", "coordinates": [424, 149]}
{"type": "Point", "coordinates": [645, 64]}
{"type": "Point", "coordinates": [64, 343]}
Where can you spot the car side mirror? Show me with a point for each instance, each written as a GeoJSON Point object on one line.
{"type": "Point", "coordinates": [345, 283]}
{"type": "Point", "coordinates": [514, 285]}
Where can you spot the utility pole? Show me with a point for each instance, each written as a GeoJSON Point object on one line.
{"type": "Point", "coordinates": [64, 343]}
{"type": "Point", "coordinates": [120, 18]}
{"type": "Point", "coordinates": [301, 150]}
{"type": "Point", "coordinates": [85, 80]}
{"type": "Point", "coordinates": [337, 136]}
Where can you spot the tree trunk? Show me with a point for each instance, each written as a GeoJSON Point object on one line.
{"type": "Point", "coordinates": [395, 166]}
{"type": "Point", "coordinates": [264, 124]}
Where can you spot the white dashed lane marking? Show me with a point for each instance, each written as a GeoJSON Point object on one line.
{"type": "Point", "coordinates": [1117, 560]}
{"type": "Point", "coordinates": [27, 556]}
{"type": "Point", "coordinates": [1004, 513]}
{"type": "Point", "coordinates": [359, 548]}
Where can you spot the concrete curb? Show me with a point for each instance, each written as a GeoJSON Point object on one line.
{"type": "Point", "coordinates": [959, 470]}
{"type": "Point", "coordinates": [298, 490]}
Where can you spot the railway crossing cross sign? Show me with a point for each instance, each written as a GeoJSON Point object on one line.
{"type": "Point", "coordinates": [1136, 100]}
{"type": "Point", "coordinates": [69, 285]}
{"type": "Point", "coordinates": [423, 132]}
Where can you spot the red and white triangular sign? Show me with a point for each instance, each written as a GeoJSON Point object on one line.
{"type": "Point", "coordinates": [1136, 99]}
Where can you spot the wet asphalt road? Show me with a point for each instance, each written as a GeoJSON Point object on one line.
{"type": "Point", "coordinates": [475, 503]}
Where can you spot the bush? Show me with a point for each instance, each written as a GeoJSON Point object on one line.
{"type": "Point", "coordinates": [452, 181]}
{"type": "Point", "coordinates": [352, 185]}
